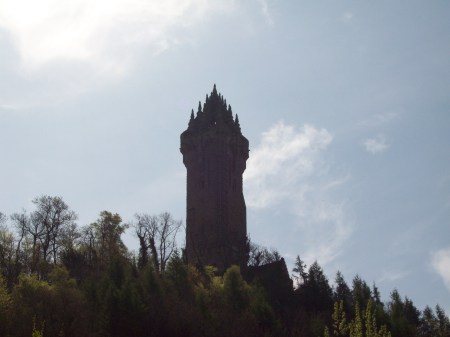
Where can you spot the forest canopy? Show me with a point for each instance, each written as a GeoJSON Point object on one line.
{"type": "Point", "coordinates": [60, 279]}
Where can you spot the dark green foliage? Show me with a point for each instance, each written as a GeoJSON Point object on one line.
{"type": "Point", "coordinates": [342, 293]}
{"type": "Point", "coordinates": [5, 307]}
{"type": "Point", "coordinates": [316, 294]}
{"type": "Point", "coordinates": [404, 317]}
{"type": "Point", "coordinates": [360, 292]}
{"type": "Point", "coordinates": [58, 305]}
{"type": "Point", "coordinates": [92, 286]}
{"type": "Point", "coordinates": [313, 303]}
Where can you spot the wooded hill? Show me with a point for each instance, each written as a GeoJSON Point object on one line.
{"type": "Point", "coordinates": [58, 279]}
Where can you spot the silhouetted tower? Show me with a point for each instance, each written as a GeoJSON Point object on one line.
{"type": "Point", "coordinates": [214, 153]}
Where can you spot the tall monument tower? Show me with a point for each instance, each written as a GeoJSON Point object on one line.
{"type": "Point", "coordinates": [215, 154]}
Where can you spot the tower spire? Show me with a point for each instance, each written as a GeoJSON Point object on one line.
{"type": "Point", "coordinates": [236, 123]}
{"type": "Point", "coordinates": [191, 120]}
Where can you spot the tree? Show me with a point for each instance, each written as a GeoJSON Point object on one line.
{"type": "Point", "coordinates": [44, 227]}
{"type": "Point", "coordinates": [5, 305]}
{"type": "Point", "coordinates": [360, 292]}
{"type": "Point", "coordinates": [316, 290]}
{"type": "Point", "coordinates": [8, 266]}
{"type": "Point", "coordinates": [299, 271]}
{"type": "Point", "coordinates": [428, 323]}
{"type": "Point", "coordinates": [443, 323]}
{"type": "Point", "coordinates": [340, 327]}
{"type": "Point", "coordinates": [364, 323]}
{"type": "Point", "coordinates": [356, 325]}
{"type": "Point", "coordinates": [52, 215]}
{"type": "Point", "coordinates": [144, 226]}
{"type": "Point", "coordinates": [156, 233]}
{"type": "Point", "coordinates": [236, 290]}
{"type": "Point", "coordinates": [259, 255]}
{"type": "Point", "coordinates": [28, 237]}
{"type": "Point", "coordinates": [403, 316]}
{"type": "Point", "coordinates": [69, 237]}
{"type": "Point", "coordinates": [57, 306]}
{"type": "Point", "coordinates": [105, 237]}
{"type": "Point", "coordinates": [342, 292]}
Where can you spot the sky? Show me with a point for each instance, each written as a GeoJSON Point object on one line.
{"type": "Point", "coordinates": [345, 104]}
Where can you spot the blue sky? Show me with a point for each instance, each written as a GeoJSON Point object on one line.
{"type": "Point", "coordinates": [345, 103]}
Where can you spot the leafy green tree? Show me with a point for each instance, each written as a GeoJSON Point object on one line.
{"type": "Point", "coordinates": [68, 304]}
{"type": "Point", "coordinates": [179, 275]}
{"type": "Point", "coordinates": [340, 326]}
{"type": "Point", "coordinates": [31, 299]}
{"type": "Point", "coordinates": [363, 324]}
{"type": "Point", "coordinates": [9, 264]}
{"type": "Point", "coordinates": [5, 306]}
{"type": "Point", "coordinates": [235, 289]}
{"type": "Point", "coordinates": [58, 303]}
{"type": "Point", "coordinates": [106, 237]}
{"type": "Point", "coordinates": [356, 325]}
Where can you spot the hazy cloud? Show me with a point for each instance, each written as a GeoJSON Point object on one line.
{"type": "Point", "coordinates": [287, 169]}
{"type": "Point", "coordinates": [376, 145]}
{"type": "Point", "coordinates": [71, 47]}
{"type": "Point", "coordinates": [326, 228]}
{"type": "Point", "coordinates": [440, 261]}
{"type": "Point", "coordinates": [101, 33]}
{"type": "Point", "coordinates": [284, 156]}
{"type": "Point", "coordinates": [266, 12]}
{"type": "Point", "coordinates": [347, 16]}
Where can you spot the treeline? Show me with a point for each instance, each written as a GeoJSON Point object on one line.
{"type": "Point", "coordinates": [59, 279]}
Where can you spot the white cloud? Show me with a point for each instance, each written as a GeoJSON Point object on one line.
{"type": "Point", "coordinates": [326, 228]}
{"type": "Point", "coordinates": [440, 261]}
{"type": "Point", "coordinates": [287, 169]}
{"type": "Point", "coordinates": [376, 145]}
{"type": "Point", "coordinates": [101, 33]}
{"type": "Point", "coordinates": [284, 156]}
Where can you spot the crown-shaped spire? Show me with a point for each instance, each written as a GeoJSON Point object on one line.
{"type": "Point", "coordinates": [215, 111]}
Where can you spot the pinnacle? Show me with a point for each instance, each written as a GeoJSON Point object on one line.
{"type": "Point", "coordinates": [215, 110]}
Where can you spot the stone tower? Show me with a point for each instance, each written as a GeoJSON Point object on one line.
{"type": "Point", "coordinates": [215, 154]}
